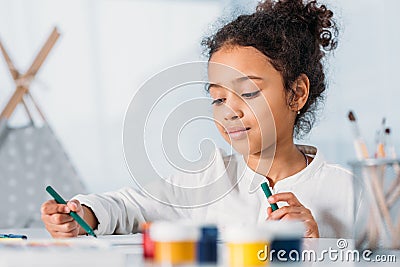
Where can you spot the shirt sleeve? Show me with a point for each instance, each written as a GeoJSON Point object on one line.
{"type": "Point", "coordinates": [123, 211]}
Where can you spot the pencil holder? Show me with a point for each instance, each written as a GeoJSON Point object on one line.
{"type": "Point", "coordinates": [376, 203]}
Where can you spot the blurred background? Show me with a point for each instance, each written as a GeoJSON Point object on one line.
{"type": "Point", "coordinates": [108, 48]}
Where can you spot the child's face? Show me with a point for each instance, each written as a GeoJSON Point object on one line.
{"type": "Point", "coordinates": [250, 108]}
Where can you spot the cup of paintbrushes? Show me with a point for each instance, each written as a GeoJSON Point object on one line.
{"type": "Point", "coordinates": [376, 203]}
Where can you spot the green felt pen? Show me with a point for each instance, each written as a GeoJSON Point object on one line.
{"type": "Point", "coordinates": [268, 193]}
{"type": "Point", "coordinates": [73, 214]}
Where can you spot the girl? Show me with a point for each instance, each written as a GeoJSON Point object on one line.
{"type": "Point", "coordinates": [278, 52]}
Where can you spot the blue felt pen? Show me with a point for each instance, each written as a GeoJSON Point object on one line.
{"type": "Point", "coordinates": [13, 236]}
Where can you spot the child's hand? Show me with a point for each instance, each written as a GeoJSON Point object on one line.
{"type": "Point", "coordinates": [57, 220]}
{"type": "Point", "coordinates": [295, 211]}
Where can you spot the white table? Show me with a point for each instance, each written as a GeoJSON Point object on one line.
{"type": "Point", "coordinates": [126, 250]}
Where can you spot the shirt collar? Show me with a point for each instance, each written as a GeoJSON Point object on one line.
{"type": "Point", "coordinates": [254, 180]}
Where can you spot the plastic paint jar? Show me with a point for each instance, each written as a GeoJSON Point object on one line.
{"type": "Point", "coordinates": [175, 242]}
{"type": "Point", "coordinates": [247, 245]}
{"type": "Point", "coordinates": [287, 239]}
{"type": "Point", "coordinates": [148, 244]}
{"type": "Point", "coordinates": [207, 245]}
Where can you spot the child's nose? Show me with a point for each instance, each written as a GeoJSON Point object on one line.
{"type": "Point", "coordinates": [233, 111]}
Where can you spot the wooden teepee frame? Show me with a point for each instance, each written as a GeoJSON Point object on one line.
{"type": "Point", "coordinates": [23, 81]}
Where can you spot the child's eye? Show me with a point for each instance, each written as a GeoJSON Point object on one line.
{"type": "Point", "coordinates": [218, 101]}
{"type": "Point", "coordinates": [250, 95]}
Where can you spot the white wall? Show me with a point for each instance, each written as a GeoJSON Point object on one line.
{"type": "Point", "coordinates": [106, 51]}
{"type": "Point", "coordinates": [109, 48]}
{"type": "Point", "coordinates": [362, 77]}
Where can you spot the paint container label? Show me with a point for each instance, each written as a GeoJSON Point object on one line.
{"type": "Point", "coordinates": [175, 253]}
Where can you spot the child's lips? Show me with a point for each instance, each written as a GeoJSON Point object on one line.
{"type": "Point", "coordinates": [237, 132]}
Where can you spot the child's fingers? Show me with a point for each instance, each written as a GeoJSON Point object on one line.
{"type": "Point", "coordinates": [269, 211]}
{"type": "Point", "coordinates": [62, 228]}
{"type": "Point", "coordinates": [311, 229]}
{"type": "Point", "coordinates": [293, 216]}
{"type": "Point", "coordinates": [74, 205]}
{"type": "Point", "coordinates": [288, 197]}
{"type": "Point", "coordinates": [56, 219]}
{"type": "Point", "coordinates": [69, 227]}
{"type": "Point", "coordinates": [62, 234]}
{"type": "Point", "coordinates": [300, 214]}
{"type": "Point", "coordinates": [284, 211]}
{"type": "Point", "coordinates": [73, 233]}
{"type": "Point", "coordinates": [309, 223]}
{"type": "Point", "coordinates": [51, 207]}
{"type": "Point", "coordinates": [60, 218]}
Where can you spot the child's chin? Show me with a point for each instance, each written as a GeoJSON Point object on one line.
{"type": "Point", "coordinates": [242, 147]}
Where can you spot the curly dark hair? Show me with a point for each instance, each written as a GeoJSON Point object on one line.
{"type": "Point", "coordinates": [294, 36]}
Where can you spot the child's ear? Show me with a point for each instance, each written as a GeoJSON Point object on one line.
{"type": "Point", "coordinates": [300, 92]}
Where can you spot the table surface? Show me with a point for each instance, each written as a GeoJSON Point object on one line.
{"type": "Point", "coordinates": [126, 250]}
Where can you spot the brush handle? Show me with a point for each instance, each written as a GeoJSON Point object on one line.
{"type": "Point", "coordinates": [361, 149]}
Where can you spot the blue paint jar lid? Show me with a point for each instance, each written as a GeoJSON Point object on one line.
{"type": "Point", "coordinates": [208, 233]}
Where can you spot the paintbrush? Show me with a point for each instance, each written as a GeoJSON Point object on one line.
{"type": "Point", "coordinates": [373, 186]}
{"type": "Point", "coordinates": [394, 188]}
{"type": "Point", "coordinates": [380, 141]}
{"type": "Point", "coordinates": [359, 144]}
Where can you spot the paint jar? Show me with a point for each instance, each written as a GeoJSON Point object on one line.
{"type": "Point", "coordinates": [286, 240]}
{"type": "Point", "coordinates": [207, 245]}
{"type": "Point", "coordinates": [148, 243]}
{"type": "Point", "coordinates": [247, 245]}
{"type": "Point", "coordinates": [175, 242]}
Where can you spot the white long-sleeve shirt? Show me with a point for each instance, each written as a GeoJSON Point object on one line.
{"type": "Point", "coordinates": [323, 188]}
